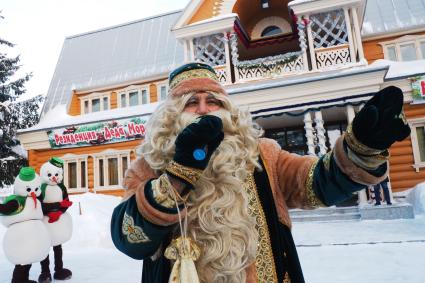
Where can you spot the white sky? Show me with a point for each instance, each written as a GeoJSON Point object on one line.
{"type": "Point", "coordinates": [38, 28]}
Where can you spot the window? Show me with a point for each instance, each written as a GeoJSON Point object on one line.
{"type": "Point", "coordinates": [408, 52]}
{"type": "Point", "coordinates": [162, 90]}
{"type": "Point", "coordinates": [420, 134]}
{"type": "Point", "coordinates": [72, 175]}
{"type": "Point", "coordinates": [406, 48]}
{"type": "Point", "coordinates": [422, 46]}
{"type": "Point", "coordinates": [392, 53]}
{"type": "Point", "coordinates": [75, 172]}
{"type": "Point", "coordinates": [95, 102]}
{"type": "Point", "coordinates": [290, 139]}
{"type": "Point", "coordinates": [113, 171]}
{"type": "Point", "coordinates": [270, 31]}
{"type": "Point", "coordinates": [133, 96]}
{"type": "Point", "coordinates": [271, 26]}
{"type": "Point", "coordinates": [123, 100]}
{"type": "Point", "coordinates": [110, 167]}
{"type": "Point", "coordinates": [105, 103]}
{"type": "Point", "coordinates": [418, 142]}
{"type": "Point", "coordinates": [86, 106]}
{"type": "Point", "coordinates": [95, 106]}
{"type": "Point", "coordinates": [124, 164]}
{"type": "Point", "coordinates": [145, 98]}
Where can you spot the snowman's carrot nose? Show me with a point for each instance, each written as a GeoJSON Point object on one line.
{"type": "Point", "coordinates": [54, 179]}
{"type": "Point", "coordinates": [34, 198]}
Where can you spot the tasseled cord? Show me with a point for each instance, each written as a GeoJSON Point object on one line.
{"type": "Point", "coordinates": [183, 250]}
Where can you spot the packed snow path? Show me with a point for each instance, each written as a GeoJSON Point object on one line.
{"type": "Point", "coordinates": [343, 252]}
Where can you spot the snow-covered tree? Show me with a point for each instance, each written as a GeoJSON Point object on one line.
{"type": "Point", "coordinates": [13, 115]}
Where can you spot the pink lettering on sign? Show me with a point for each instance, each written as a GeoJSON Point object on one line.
{"type": "Point", "coordinates": [135, 129]}
{"type": "Point", "coordinates": [75, 138]}
{"type": "Point", "coordinates": [116, 132]}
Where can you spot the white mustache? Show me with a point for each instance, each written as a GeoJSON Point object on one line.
{"type": "Point", "coordinates": [186, 118]}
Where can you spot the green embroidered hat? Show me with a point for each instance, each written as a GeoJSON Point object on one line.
{"type": "Point", "coordinates": [194, 77]}
{"type": "Point", "coordinates": [27, 174]}
{"type": "Point", "coordinates": [56, 161]}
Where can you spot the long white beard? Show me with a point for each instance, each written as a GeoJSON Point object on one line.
{"type": "Point", "coordinates": [218, 209]}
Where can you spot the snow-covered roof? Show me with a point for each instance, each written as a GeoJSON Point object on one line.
{"type": "Point", "coordinates": [400, 70]}
{"type": "Point", "coordinates": [58, 117]}
{"type": "Point", "coordinates": [125, 53]}
{"type": "Point", "coordinates": [388, 16]}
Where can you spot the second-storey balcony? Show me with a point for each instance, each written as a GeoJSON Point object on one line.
{"type": "Point", "coordinates": [319, 38]}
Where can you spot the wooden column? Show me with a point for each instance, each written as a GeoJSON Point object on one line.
{"type": "Point", "coordinates": [357, 34]}
{"type": "Point", "coordinates": [320, 130]}
{"type": "Point", "coordinates": [350, 36]}
{"type": "Point", "coordinates": [311, 44]}
{"type": "Point", "coordinates": [308, 126]}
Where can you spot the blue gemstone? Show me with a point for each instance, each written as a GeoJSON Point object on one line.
{"type": "Point", "coordinates": [199, 154]}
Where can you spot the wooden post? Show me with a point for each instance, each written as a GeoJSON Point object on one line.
{"type": "Point", "coordinates": [350, 35]}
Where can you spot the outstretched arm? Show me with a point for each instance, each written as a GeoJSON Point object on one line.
{"type": "Point", "coordinates": [358, 159]}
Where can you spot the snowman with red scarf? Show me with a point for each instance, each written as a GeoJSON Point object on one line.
{"type": "Point", "coordinates": [26, 240]}
{"type": "Point", "coordinates": [55, 202]}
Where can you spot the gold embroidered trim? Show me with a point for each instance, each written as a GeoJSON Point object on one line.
{"type": "Point", "coordinates": [312, 200]}
{"type": "Point", "coordinates": [264, 260]}
{"type": "Point", "coordinates": [327, 160]}
{"type": "Point", "coordinates": [402, 117]}
{"type": "Point", "coordinates": [356, 145]}
{"type": "Point", "coordinates": [192, 74]}
{"type": "Point", "coordinates": [191, 175]}
{"type": "Point", "coordinates": [368, 162]}
{"type": "Point", "coordinates": [133, 233]}
{"type": "Point", "coordinates": [161, 191]}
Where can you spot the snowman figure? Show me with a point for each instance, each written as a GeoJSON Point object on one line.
{"type": "Point", "coordinates": [26, 240]}
{"type": "Point", "coordinates": [55, 202]}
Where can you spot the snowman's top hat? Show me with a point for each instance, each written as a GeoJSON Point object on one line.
{"type": "Point", "coordinates": [56, 161]}
{"type": "Point", "coordinates": [27, 174]}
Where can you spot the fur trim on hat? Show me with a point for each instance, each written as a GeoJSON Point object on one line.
{"type": "Point", "coordinates": [197, 85]}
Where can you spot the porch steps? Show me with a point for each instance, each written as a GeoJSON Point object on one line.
{"type": "Point", "coordinates": [353, 213]}
{"type": "Point", "coordinates": [325, 214]}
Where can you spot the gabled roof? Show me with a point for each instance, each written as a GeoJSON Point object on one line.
{"type": "Point", "coordinates": [129, 52]}
{"type": "Point", "coordinates": [187, 13]}
{"type": "Point", "coordinates": [391, 16]}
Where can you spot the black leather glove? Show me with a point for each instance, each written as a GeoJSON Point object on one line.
{"type": "Point", "coordinates": [381, 121]}
{"type": "Point", "coordinates": [194, 147]}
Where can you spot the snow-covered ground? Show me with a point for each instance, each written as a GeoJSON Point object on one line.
{"type": "Point", "coordinates": [344, 252]}
{"type": "Point", "coordinates": [90, 254]}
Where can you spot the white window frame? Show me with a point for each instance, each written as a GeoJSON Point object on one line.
{"type": "Point", "coordinates": [70, 158]}
{"type": "Point", "coordinates": [416, 123]}
{"type": "Point", "coordinates": [91, 97]}
{"type": "Point", "coordinates": [126, 91]}
{"type": "Point", "coordinates": [404, 40]}
{"type": "Point", "coordinates": [279, 22]}
{"type": "Point", "coordinates": [158, 90]}
{"type": "Point", "coordinates": [109, 153]}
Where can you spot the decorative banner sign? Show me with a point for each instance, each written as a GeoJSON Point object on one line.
{"type": "Point", "coordinates": [98, 133]}
{"type": "Point", "coordinates": [418, 88]}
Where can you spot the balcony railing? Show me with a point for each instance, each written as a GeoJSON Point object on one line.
{"type": "Point", "coordinates": [326, 40]}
